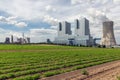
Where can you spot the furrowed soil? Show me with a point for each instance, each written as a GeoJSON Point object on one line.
{"type": "Point", "coordinates": [106, 71]}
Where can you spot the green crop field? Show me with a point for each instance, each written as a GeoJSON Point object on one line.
{"type": "Point", "coordinates": [32, 62]}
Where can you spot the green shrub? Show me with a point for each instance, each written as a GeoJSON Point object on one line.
{"type": "Point", "coordinates": [11, 75]}
{"type": "Point", "coordinates": [48, 74]}
{"type": "Point", "coordinates": [85, 72]}
{"type": "Point", "coordinates": [3, 77]}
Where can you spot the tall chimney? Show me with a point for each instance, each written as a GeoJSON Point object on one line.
{"type": "Point", "coordinates": [12, 39]}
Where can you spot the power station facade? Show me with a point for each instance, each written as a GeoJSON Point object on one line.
{"type": "Point", "coordinates": [108, 38]}
{"type": "Point", "coordinates": [81, 36]}
{"type": "Point", "coordinates": [64, 29]}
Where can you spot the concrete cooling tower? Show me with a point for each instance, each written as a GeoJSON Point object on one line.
{"type": "Point", "coordinates": [108, 38]}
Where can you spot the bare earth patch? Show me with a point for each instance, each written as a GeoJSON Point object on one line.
{"type": "Point", "coordinates": [107, 71]}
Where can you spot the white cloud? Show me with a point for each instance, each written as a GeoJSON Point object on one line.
{"type": "Point", "coordinates": [54, 27]}
{"type": "Point", "coordinates": [12, 21]}
{"type": "Point", "coordinates": [75, 1]}
{"type": "Point", "coordinates": [50, 8]}
{"type": "Point", "coordinates": [11, 18]}
{"type": "Point", "coordinates": [50, 20]}
{"type": "Point", "coordinates": [43, 31]}
{"type": "Point", "coordinates": [42, 34]}
{"type": "Point", "coordinates": [116, 1]}
{"type": "Point", "coordinates": [3, 19]}
{"type": "Point", "coordinates": [21, 24]}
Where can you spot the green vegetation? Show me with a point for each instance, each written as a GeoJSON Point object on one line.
{"type": "Point", "coordinates": [30, 77]}
{"type": "Point", "coordinates": [118, 78]}
{"type": "Point", "coordinates": [30, 62]}
{"type": "Point", "coordinates": [85, 72]}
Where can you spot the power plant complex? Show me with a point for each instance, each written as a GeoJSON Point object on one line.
{"type": "Point", "coordinates": [82, 34]}
{"type": "Point", "coordinates": [21, 40]}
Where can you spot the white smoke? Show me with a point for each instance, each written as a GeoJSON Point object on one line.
{"type": "Point", "coordinates": [97, 15]}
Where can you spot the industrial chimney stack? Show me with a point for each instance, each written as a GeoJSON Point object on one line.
{"type": "Point", "coordinates": [108, 38]}
{"type": "Point", "coordinates": [12, 39]}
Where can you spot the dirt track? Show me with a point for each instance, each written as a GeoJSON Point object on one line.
{"type": "Point", "coordinates": [107, 71]}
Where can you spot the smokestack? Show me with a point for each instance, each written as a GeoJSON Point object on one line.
{"type": "Point", "coordinates": [23, 35]}
{"type": "Point", "coordinates": [23, 39]}
{"type": "Point", "coordinates": [12, 39]}
{"type": "Point", "coordinates": [108, 38]}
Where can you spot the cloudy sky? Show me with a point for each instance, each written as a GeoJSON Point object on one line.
{"type": "Point", "coordinates": [38, 18]}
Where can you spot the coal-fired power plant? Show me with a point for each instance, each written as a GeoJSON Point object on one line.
{"type": "Point", "coordinates": [108, 38]}
{"type": "Point", "coordinates": [81, 37]}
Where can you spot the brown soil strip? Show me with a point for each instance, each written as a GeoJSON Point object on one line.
{"type": "Point", "coordinates": [107, 71]}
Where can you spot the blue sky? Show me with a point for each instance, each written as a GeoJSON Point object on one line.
{"type": "Point", "coordinates": [38, 18]}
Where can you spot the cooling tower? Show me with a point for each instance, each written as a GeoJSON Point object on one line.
{"type": "Point", "coordinates": [108, 38]}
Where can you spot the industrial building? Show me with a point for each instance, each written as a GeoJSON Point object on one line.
{"type": "Point", "coordinates": [108, 38]}
{"type": "Point", "coordinates": [82, 33]}
{"type": "Point", "coordinates": [64, 33]}
{"type": "Point", "coordinates": [21, 40]}
{"type": "Point", "coordinates": [7, 40]}
{"type": "Point", "coordinates": [64, 29]}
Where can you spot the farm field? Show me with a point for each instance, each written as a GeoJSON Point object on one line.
{"type": "Point", "coordinates": [32, 62]}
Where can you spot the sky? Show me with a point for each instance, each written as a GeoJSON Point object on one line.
{"type": "Point", "coordinates": [38, 19]}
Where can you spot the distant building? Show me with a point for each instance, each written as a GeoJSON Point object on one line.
{"type": "Point", "coordinates": [23, 40]}
{"type": "Point", "coordinates": [64, 32]}
{"type": "Point", "coordinates": [82, 33]}
{"type": "Point", "coordinates": [7, 40]}
{"type": "Point", "coordinates": [48, 41]}
{"type": "Point", "coordinates": [20, 40]}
